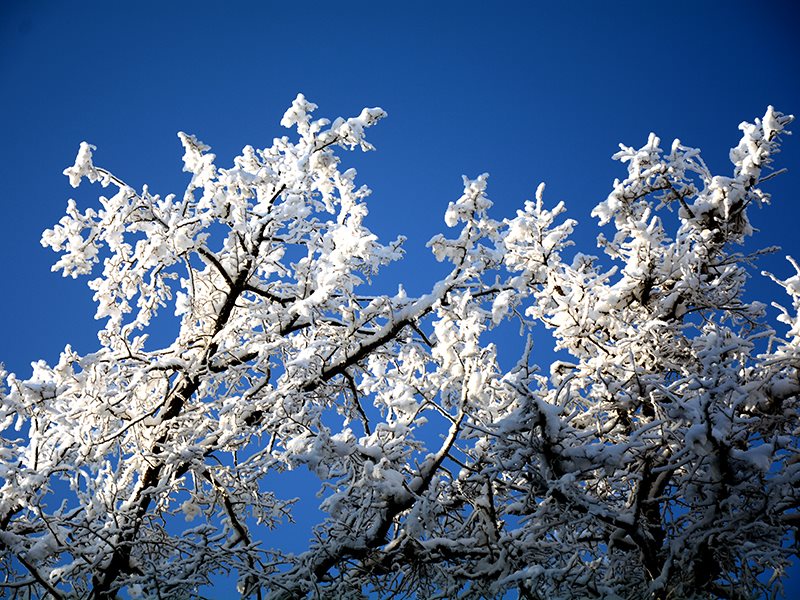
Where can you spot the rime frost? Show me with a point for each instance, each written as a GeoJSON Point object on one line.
{"type": "Point", "coordinates": [660, 460]}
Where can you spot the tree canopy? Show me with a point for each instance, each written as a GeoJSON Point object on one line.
{"type": "Point", "coordinates": [658, 459]}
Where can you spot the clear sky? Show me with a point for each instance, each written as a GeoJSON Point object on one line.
{"type": "Point", "coordinates": [528, 91]}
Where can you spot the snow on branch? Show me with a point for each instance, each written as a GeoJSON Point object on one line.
{"type": "Point", "coordinates": [656, 458]}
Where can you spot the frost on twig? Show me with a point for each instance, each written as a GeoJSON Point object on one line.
{"type": "Point", "coordinates": [657, 460]}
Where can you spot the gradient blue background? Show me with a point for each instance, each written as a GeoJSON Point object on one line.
{"type": "Point", "coordinates": [526, 91]}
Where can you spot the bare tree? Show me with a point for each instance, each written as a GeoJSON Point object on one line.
{"type": "Point", "coordinates": [660, 461]}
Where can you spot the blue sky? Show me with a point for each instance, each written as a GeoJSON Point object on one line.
{"type": "Point", "coordinates": [528, 91]}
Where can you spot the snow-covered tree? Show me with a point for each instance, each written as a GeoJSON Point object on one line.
{"type": "Point", "coordinates": [658, 459]}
